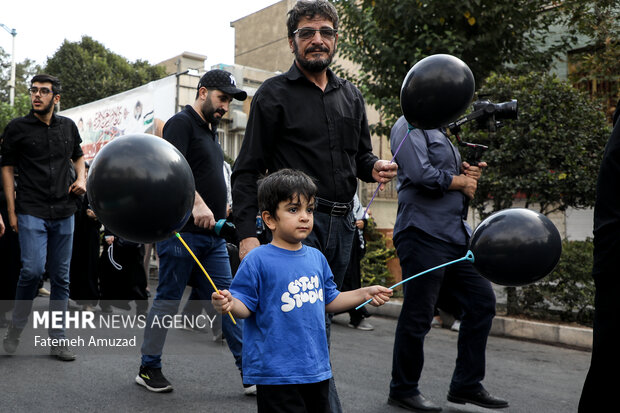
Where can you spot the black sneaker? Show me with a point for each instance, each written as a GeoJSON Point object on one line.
{"type": "Point", "coordinates": [153, 380]}
{"type": "Point", "coordinates": [62, 353]}
{"type": "Point", "coordinates": [11, 339]}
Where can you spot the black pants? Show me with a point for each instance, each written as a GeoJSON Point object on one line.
{"type": "Point", "coordinates": [599, 389]}
{"type": "Point", "coordinates": [293, 398]}
{"type": "Point", "coordinates": [418, 252]}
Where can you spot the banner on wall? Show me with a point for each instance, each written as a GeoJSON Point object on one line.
{"type": "Point", "coordinates": [141, 110]}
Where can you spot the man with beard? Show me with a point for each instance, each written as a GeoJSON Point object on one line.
{"type": "Point", "coordinates": [193, 132]}
{"type": "Point", "coordinates": [311, 120]}
{"type": "Point", "coordinates": [41, 152]}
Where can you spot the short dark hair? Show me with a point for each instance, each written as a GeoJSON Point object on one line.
{"type": "Point", "coordinates": [284, 185]}
{"type": "Point", "coordinates": [310, 9]}
{"type": "Point", "coordinates": [43, 78]}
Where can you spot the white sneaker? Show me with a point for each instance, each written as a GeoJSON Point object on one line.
{"type": "Point", "coordinates": [436, 322]}
{"type": "Point", "coordinates": [363, 325]}
{"type": "Point", "coordinates": [44, 292]}
{"type": "Point", "coordinates": [456, 326]}
{"type": "Point", "coordinates": [250, 390]}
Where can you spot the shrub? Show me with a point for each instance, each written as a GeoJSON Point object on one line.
{"type": "Point", "coordinates": [567, 294]}
{"type": "Point", "coordinates": [374, 263]}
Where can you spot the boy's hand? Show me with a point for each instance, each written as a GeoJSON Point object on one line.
{"type": "Point", "coordinates": [222, 302]}
{"type": "Point", "coordinates": [379, 294]}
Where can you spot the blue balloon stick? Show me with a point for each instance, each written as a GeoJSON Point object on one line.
{"type": "Point", "coordinates": [468, 257]}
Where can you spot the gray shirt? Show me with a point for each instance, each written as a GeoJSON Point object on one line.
{"type": "Point", "coordinates": [426, 164]}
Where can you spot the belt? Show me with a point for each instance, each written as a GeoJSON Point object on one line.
{"type": "Point", "coordinates": [335, 209]}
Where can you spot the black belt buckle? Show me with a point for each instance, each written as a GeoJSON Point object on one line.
{"type": "Point", "coordinates": [339, 210]}
{"type": "Point", "coordinates": [334, 209]}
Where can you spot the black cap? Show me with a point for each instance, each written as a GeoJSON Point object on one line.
{"type": "Point", "coordinates": [222, 80]}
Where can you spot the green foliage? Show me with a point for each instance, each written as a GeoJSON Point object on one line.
{"type": "Point", "coordinates": [21, 108]}
{"type": "Point", "coordinates": [385, 38]}
{"type": "Point", "coordinates": [88, 72]}
{"type": "Point", "coordinates": [23, 72]}
{"type": "Point", "coordinates": [600, 61]}
{"type": "Point", "coordinates": [373, 265]}
{"type": "Point", "coordinates": [550, 155]}
{"type": "Point", "coordinates": [567, 293]}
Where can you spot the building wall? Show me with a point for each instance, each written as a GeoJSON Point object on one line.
{"type": "Point", "coordinates": [261, 38]}
{"type": "Point", "coordinates": [183, 62]}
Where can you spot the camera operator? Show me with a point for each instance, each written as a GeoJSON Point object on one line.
{"type": "Point", "coordinates": [434, 187]}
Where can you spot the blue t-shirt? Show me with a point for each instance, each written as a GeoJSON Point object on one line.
{"type": "Point", "coordinates": [284, 340]}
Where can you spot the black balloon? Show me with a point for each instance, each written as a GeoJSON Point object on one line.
{"type": "Point", "coordinates": [515, 247]}
{"type": "Point", "coordinates": [141, 188]}
{"type": "Point", "coordinates": [436, 91]}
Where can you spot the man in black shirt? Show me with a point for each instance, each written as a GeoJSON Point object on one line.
{"type": "Point", "coordinates": [45, 149]}
{"type": "Point", "coordinates": [193, 132]}
{"type": "Point", "coordinates": [309, 119]}
{"type": "Point", "coordinates": [312, 120]}
{"type": "Point", "coordinates": [599, 389]}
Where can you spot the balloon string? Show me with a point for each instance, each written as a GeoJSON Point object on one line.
{"type": "Point", "coordinates": [469, 257]}
{"type": "Point", "coordinates": [203, 270]}
{"type": "Point", "coordinates": [409, 129]}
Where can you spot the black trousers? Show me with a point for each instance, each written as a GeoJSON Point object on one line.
{"type": "Point", "coordinates": [418, 252]}
{"type": "Point", "coordinates": [599, 389]}
{"type": "Point", "coordinates": [293, 398]}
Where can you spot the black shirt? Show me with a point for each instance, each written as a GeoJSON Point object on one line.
{"type": "Point", "coordinates": [42, 156]}
{"type": "Point", "coordinates": [295, 124]}
{"type": "Point", "coordinates": [607, 209]}
{"type": "Point", "coordinates": [193, 137]}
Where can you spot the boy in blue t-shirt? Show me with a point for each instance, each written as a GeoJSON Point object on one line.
{"type": "Point", "coordinates": [283, 290]}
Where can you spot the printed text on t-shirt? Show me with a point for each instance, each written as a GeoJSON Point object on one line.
{"type": "Point", "coordinates": [301, 291]}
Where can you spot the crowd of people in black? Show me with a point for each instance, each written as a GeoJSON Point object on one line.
{"type": "Point", "coordinates": [106, 271]}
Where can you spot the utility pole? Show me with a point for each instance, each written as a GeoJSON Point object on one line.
{"type": "Point", "coordinates": [13, 33]}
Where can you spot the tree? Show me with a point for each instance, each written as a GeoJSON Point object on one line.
{"type": "Point", "coordinates": [550, 155]}
{"type": "Point", "coordinates": [23, 72]}
{"type": "Point", "coordinates": [88, 72]}
{"type": "Point", "coordinates": [21, 107]}
{"type": "Point", "coordinates": [597, 66]}
{"type": "Point", "coordinates": [387, 37]}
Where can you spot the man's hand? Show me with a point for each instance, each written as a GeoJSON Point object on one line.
{"type": "Point", "coordinates": [465, 184]}
{"type": "Point", "coordinates": [78, 187]}
{"type": "Point", "coordinates": [246, 245]}
{"type": "Point", "coordinates": [13, 221]}
{"type": "Point", "coordinates": [203, 217]}
{"type": "Point", "coordinates": [384, 171]}
{"type": "Point", "coordinates": [472, 171]}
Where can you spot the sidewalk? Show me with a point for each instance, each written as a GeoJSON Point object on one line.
{"type": "Point", "coordinates": [547, 333]}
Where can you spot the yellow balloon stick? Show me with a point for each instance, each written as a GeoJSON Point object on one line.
{"type": "Point", "coordinates": [203, 270]}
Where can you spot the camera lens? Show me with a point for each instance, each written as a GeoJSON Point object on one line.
{"type": "Point", "coordinates": [506, 110]}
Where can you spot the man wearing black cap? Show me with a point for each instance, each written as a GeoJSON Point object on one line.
{"type": "Point", "coordinates": [193, 132]}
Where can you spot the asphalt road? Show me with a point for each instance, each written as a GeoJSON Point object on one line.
{"type": "Point", "coordinates": [533, 377]}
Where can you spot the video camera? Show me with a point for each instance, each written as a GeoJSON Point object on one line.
{"type": "Point", "coordinates": [487, 115]}
{"type": "Point", "coordinates": [491, 113]}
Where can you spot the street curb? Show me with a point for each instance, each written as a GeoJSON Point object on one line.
{"type": "Point", "coordinates": [553, 334]}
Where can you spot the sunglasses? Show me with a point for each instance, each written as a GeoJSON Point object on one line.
{"type": "Point", "coordinates": [307, 33]}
